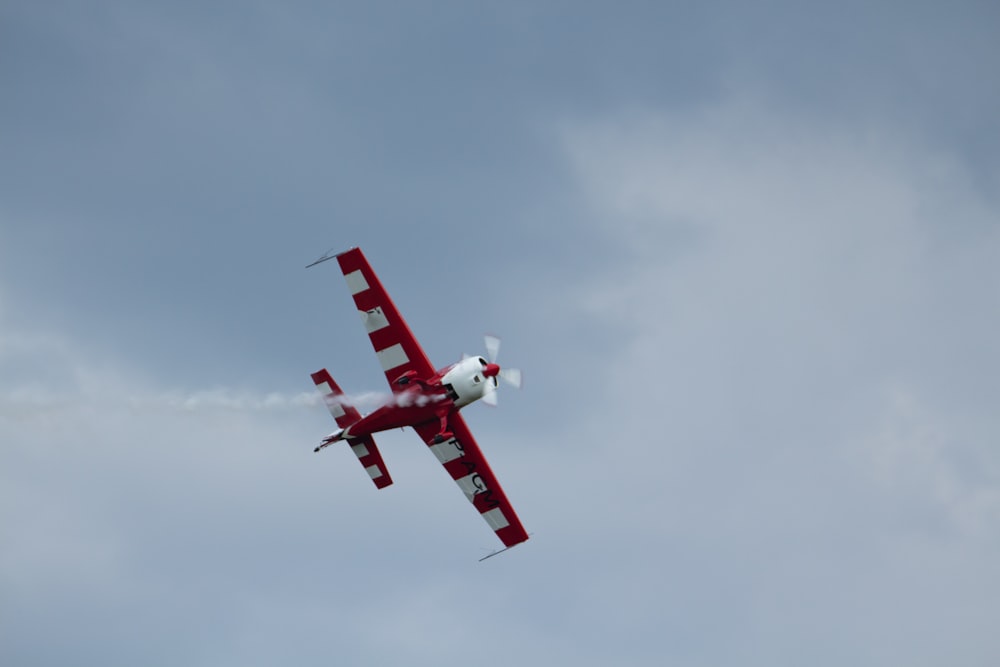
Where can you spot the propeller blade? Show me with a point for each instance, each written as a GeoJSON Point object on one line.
{"type": "Point", "coordinates": [492, 348]}
{"type": "Point", "coordinates": [511, 376]}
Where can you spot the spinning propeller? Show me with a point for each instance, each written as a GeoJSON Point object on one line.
{"type": "Point", "coordinates": [511, 376]}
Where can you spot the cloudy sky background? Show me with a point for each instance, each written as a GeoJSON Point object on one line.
{"type": "Point", "coordinates": [747, 257]}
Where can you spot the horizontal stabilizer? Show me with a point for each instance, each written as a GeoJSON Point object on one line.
{"type": "Point", "coordinates": [345, 415]}
{"type": "Point", "coordinates": [367, 452]}
{"type": "Point", "coordinates": [343, 412]}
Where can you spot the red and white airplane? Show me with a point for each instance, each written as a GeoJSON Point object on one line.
{"type": "Point", "coordinates": [429, 400]}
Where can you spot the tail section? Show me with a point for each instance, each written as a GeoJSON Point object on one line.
{"type": "Point", "coordinates": [345, 415]}
{"type": "Point", "coordinates": [367, 452]}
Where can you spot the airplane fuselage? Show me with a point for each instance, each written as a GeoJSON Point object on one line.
{"type": "Point", "coordinates": [426, 400]}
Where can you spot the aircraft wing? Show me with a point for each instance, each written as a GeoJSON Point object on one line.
{"type": "Point", "coordinates": [395, 345]}
{"type": "Point", "coordinates": [465, 462]}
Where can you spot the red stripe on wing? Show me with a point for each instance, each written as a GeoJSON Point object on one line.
{"type": "Point", "coordinates": [475, 477]}
{"type": "Point", "coordinates": [393, 342]}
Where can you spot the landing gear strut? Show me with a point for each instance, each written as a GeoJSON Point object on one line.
{"type": "Point", "coordinates": [445, 434]}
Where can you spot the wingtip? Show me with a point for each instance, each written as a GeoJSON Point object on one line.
{"type": "Point", "coordinates": [506, 548]}
{"type": "Point", "coordinates": [330, 254]}
{"type": "Point", "coordinates": [498, 551]}
{"type": "Point", "coordinates": [326, 256]}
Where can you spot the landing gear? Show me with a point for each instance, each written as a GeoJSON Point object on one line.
{"type": "Point", "coordinates": [445, 434]}
{"type": "Point", "coordinates": [330, 439]}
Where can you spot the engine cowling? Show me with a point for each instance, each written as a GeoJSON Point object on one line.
{"type": "Point", "coordinates": [468, 380]}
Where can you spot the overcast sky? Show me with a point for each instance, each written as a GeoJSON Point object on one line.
{"type": "Point", "coordinates": [746, 254]}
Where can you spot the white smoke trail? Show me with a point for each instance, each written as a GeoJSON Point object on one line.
{"type": "Point", "coordinates": [222, 398]}
{"type": "Point", "coordinates": [371, 400]}
{"type": "Point", "coordinates": [42, 377]}
{"type": "Point", "coordinates": [37, 402]}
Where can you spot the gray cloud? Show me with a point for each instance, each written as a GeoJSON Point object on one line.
{"type": "Point", "coordinates": [745, 256]}
{"type": "Point", "coordinates": [809, 379]}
